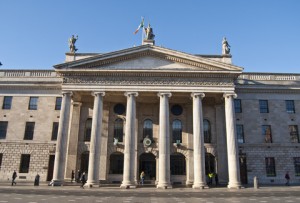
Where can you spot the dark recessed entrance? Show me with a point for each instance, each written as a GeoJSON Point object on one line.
{"type": "Point", "coordinates": [148, 165]}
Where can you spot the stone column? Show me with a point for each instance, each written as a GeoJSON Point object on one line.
{"type": "Point", "coordinates": [129, 150]}
{"type": "Point", "coordinates": [62, 138]}
{"type": "Point", "coordinates": [95, 144]}
{"type": "Point", "coordinates": [164, 142]}
{"type": "Point", "coordinates": [198, 136]}
{"type": "Point", "coordinates": [232, 147]}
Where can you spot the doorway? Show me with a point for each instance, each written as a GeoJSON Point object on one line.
{"type": "Point", "coordinates": [243, 170]}
{"type": "Point", "coordinates": [209, 163]}
{"type": "Point", "coordinates": [50, 167]}
{"type": "Point", "coordinates": [148, 165]}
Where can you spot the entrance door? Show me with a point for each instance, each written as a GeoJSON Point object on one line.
{"type": "Point", "coordinates": [209, 163]}
{"type": "Point", "coordinates": [50, 167]}
{"type": "Point", "coordinates": [243, 170]}
{"type": "Point", "coordinates": [148, 165]}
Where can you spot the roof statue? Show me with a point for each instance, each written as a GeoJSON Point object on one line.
{"type": "Point", "coordinates": [225, 46]}
{"type": "Point", "coordinates": [72, 46]}
{"type": "Point", "coordinates": [149, 33]}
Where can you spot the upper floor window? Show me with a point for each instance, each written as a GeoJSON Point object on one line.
{"type": "Point", "coordinates": [240, 133]}
{"type": "Point", "coordinates": [7, 102]}
{"type": "Point", "coordinates": [54, 131]}
{"type": "Point", "coordinates": [263, 106]}
{"type": "Point", "coordinates": [3, 129]}
{"type": "Point", "coordinates": [29, 130]}
{"type": "Point", "coordinates": [270, 166]}
{"type": "Point", "coordinates": [207, 131]}
{"type": "Point", "coordinates": [88, 130]}
{"type": "Point", "coordinates": [266, 132]}
{"type": "Point", "coordinates": [58, 103]}
{"type": "Point", "coordinates": [119, 109]}
{"type": "Point", "coordinates": [177, 131]}
{"type": "Point", "coordinates": [297, 166]}
{"type": "Point", "coordinates": [294, 135]}
{"type": "Point", "coordinates": [176, 110]}
{"type": "Point", "coordinates": [290, 106]}
{"type": "Point", "coordinates": [118, 129]}
{"type": "Point", "coordinates": [24, 165]}
{"type": "Point", "coordinates": [33, 102]}
{"type": "Point", "coordinates": [238, 106]}
{"type": "Point", "coordinates": [148, 129]}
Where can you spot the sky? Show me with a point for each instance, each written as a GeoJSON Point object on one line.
{"type": "Point", "coordinates": [263, 34]}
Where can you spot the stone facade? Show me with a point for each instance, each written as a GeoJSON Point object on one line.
{"type": "Point", "coordinates": [172, 90]}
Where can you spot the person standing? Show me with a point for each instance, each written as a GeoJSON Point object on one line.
{"type": "Point", "coordinates": [37, 180]}
{"type": "Point", "coordinates": [83, 180]}
{"type": "Point", "coordinates": [287, 178]}
{"type": "Point", "coordinates": [78, 176]}
{"type": "Point", "coordinates": [142, 177]}
{"type": "Point", "coordinates": [72, 176]}
{"type": "Point", "coordinates": [14, 176]}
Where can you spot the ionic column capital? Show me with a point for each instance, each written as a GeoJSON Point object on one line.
{"type": "Point", "coordinates": [128, 94]}
{"type": "Point", "coordinates": [98, 94]}
{"type": "Point", "coordinates": [67, 93]}
{"type": "Point", "coordinates": [76, 103]}
{"type": "Point", "coordinates": [227, 95]}
{"type": "Point", "coordinates": [162, 94]}
{"type": "Point", "coordinates": [198, 94]}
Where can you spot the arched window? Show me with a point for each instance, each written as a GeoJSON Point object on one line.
{"type": "Point", "coordinates": [177, 164]}
{"type": "Point", "coordinates": [118, 129]}
{"type": "Point", "coordinates": [177, 131]}
{"type": "Point", "coordinates": [116, 163]}
{"type": "Point", "coordinates": [148, 129]}
{"type": "Point", "coordinates": [88, 130]}
{"type": "Point", "coordinates": [207, 131]}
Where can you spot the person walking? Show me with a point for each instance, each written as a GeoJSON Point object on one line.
{"type": "Point", "coordinates": [83, 180]}
{"type": "Point", "coordinates": [287, 178]}
{"type": "Point", "coordinates": [14, 176]}
{"type": "Point", "coordinates": [78, 176]}
{"type": "Point", "coordinates": [72, 176]}
{"type": "Point", "coordinates": [142, 177]}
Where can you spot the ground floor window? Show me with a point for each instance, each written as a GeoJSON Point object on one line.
{"type": "Point", "coordinates": [24, 165]}
{"type": "Point", "coordinates": [297, 166]}
{"type": "Point", "coordinates": [270, 167]}
{"type": "Point", "coordinates": [177, 164]}
{"type": "Point", "coordinates": [1, 155]}
{"type": "Point", "coordinates": [116, 163]}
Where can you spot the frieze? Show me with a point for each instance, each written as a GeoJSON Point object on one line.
{"type": "Point", "coordinates": [149, 81]}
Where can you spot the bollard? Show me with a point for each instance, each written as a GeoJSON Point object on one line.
{"type": "Point", "coordinates": [255, 182]}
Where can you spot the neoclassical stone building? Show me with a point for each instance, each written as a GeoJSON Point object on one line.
{"type": "Point", "coordinates": [173, 115]}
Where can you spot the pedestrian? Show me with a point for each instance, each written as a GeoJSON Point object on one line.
{"type": "Point", "coordinates": [72, 176]}
{"type": "Point", "coordinates": [210, 176]}
{"type": "Point", "coordinates": [78, 176]}
{"type": "Point", "coordinates": [14, 176]}
{"type": "Point", "coordinates": [217, 179]}
{"type": "Point", "coordinates": [287, 178]}
{"type": "Point", "coordinates": [83, 180]}
{"type": "Point", "coordinates": [142, 177]}
{"type": "Point", "coordinates": [37, 180]}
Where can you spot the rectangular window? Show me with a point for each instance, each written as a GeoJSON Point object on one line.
{"type": "Point", "coordinates": [3, 129]}
{"type": "Point", "coordinates": [290, 106]}
{"type": "Point", "coordinates": [54, 131]}
{"type": "Point", "coordinates": [297, 166]}
{"type": "Point", "coordinates": [1, 155]}
{"type": "Point", "coordinates": [294, 135]}
{"type": "Point", "coordinates": [240, 133]}
{"type": "Point", "coordinates": [29, 130]}
{"type": "Point", "coordinates": [33, 102]}
{"type": "Point", "coordinates": [7, 103]}
{"type": "Point", "coordinates": [266, 132]}
{"type": "Point", "coordinates": [270, 167]}
{"type": "Point", "coordinates": [58, 103]}
{"type": "Point", "coordinates": [238, 106]}
{"type": "Point", "coordinates": [263, 106]}
{"type": "Point", "coordinates": [25, 161]}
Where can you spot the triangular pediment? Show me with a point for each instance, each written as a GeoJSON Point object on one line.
{"type": "Point", "coordinates": [147, 57]}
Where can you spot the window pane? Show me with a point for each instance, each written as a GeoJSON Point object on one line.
{"type": "Point", "coordinates": [116, 163]}
{"type": "Point", "coordinates": [270, 166]}
{"type": "Point", "coordinates": [148, 129]}
{"type": "Point", "coordinates": [263, 106]}
{"type": "Point", "coordinates": [290, 107]}
{"type": "Point", "coordinates": [177, 131]}
{"type": "Point", "coordinates": [29, 130]}
{"type": "Point", "coordinates": [33, 103]}
{"type": "Point", "coordinates": [3, 129]}
{"type": "Point", "coordinates": [294, 133]}
{"type": "Point", "coordinates": [88, 130]}
{"type": "Point", "coordinates": [7, 103]}
{"type": "Point", "coordinates": [177, 164]}
{"type": "Point", "coordinates": [297, 166]}
{"type": "Point", "coordinates": [240, 133]}
{"type": "Point", "coordinates": [207, 132]}
{"type": "Point", "coordinates": [54, 131]}
{"type": "Point", "coordinates": [118, 130]}
{"type": "Point", "coordinates": [24, 165]}
{"type": "Point", "coordinates": [266, 132]}
{"type": "Point", "coordinates": [238, 106]}
{"type": "Point", "coordinates": [58, 103]}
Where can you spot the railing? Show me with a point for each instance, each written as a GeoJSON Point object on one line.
{"type": "Point", "coordinates": [266, 76]}
{"type": "Point", "coordinates": [28, 73]}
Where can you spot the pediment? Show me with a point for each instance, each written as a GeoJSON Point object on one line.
{"type": "Point", "coordinates": [147, 57]}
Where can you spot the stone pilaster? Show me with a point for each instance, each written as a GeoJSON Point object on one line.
{"type": "Point", "coordinates": [129, 150]}
{"type": "Point", "coordinates": [95, 144]}
{"type": "Point", "coordinates": [164, 142]}
{"type": "Point", "coordinates": [232, 147]}
{"type": "Point", "coordinates": [198, 136]}
{"type": "Point", "coordinates": [62, 137]}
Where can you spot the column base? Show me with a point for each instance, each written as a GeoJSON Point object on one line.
{"type": "Point", "coordinates": [199, 186]}
{"type": "Point", "coordinates": [91, 184]}
{"type": "Point", "coordinates": [128, 186]}
{"type": "Point", "coordinates": [56, 183]}
{"type": "Point", "coordinates": [234, 186]}
{"type": "Point", "coordinates": [164, 186]}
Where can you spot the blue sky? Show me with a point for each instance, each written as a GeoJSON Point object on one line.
{"type": "Point", "coordinates": [263, 34]}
